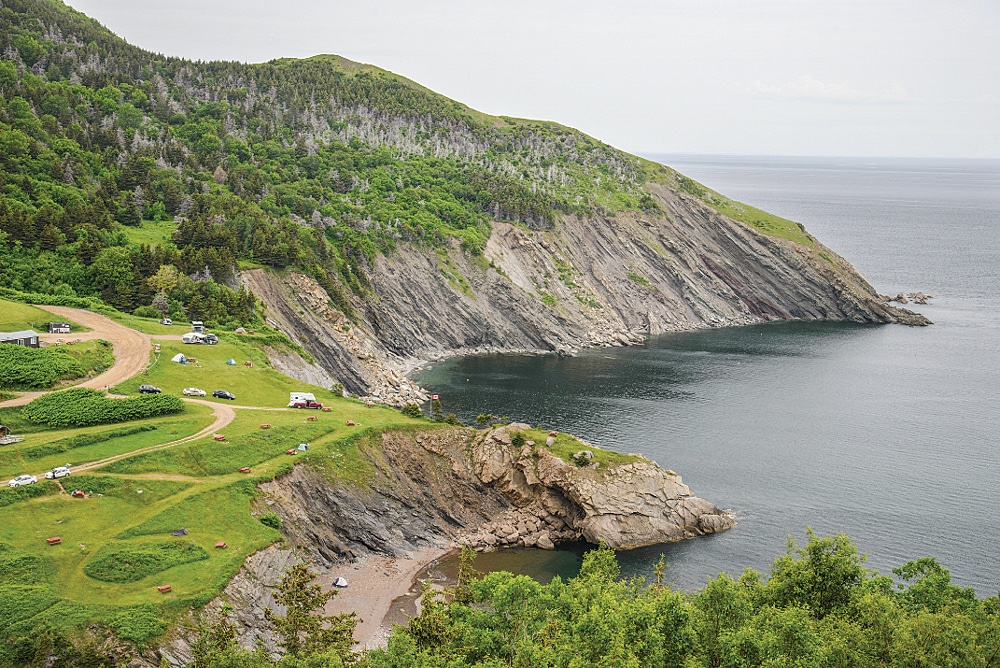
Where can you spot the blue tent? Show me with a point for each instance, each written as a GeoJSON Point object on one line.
{"type": "Point", "coordinates": [231, 362]}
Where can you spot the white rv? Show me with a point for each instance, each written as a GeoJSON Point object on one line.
{"type": "Point", "coordinates": [193, 337]}
{"type": "Point", "coordinates": [303, 400]}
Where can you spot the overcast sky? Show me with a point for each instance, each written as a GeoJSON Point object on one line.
{"type": "Point", "coordinates": [768, 77]}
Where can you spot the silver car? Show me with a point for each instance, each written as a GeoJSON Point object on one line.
{"type": "Point", "coordinates": [22, 480]}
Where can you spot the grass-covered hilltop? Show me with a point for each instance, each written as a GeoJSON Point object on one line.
{"type": "Point", "coordinates": [336, 224]}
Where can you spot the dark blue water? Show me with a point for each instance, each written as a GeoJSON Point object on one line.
{"type": "Point", "coordinates": [887, 434]}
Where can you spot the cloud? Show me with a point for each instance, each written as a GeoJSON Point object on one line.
{"type": "Point", "coordinates": [807, 88]}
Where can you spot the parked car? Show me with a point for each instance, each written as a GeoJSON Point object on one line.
{"type": "Point", "coordinates": [224, 394]}
{"type": "Point", "coordinates": [57, 472]}
{"type": "Point", "coordinates": [211, 339]}
{"type": "Point", "coordinates": [22, 480]}
{"type": "Point", "coordinates": [148, 389]}
{"type": "Point", "coordinates": [166, 321]}
{"type": "Point", "coordinates": [194, 392]}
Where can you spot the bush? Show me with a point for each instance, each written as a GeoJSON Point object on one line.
{"type": "Point", "coordinates": [271, 520]}
{"type": "Point", "coordinates": [36, 368]}
{"type": "Point", "coordinates": [130, 563]}
{"type": "Point", "coordinates": [83, 407]}
{"type": "Point", "coordinates": [517, 440]}
{"type": "Point", "coordinates": [9, 495]}
{"type": "Point", "coordinates": [139, 624]}
{"type": "Point", "coordinates": [412, 410]}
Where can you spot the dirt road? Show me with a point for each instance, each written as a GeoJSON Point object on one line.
{"type": "Point", "coordinates": [223, 416]}
{"type": "Point", "coordinates": [131, 349]}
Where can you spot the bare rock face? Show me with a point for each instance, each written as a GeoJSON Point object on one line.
{"type": "Point", "coordinates": [624, 506]}
{"type": "Point", "coordinates": [589, 281]}
{"type": "Point", "coordinates": [448, 486]}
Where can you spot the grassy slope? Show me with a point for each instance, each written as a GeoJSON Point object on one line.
{"type": "Point", "coordinates": [15, 316]}
{"type": "Point", "coordinates": [195, 485]}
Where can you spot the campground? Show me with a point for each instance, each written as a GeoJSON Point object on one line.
{"type": "Point", "coordinates": [146, 478]}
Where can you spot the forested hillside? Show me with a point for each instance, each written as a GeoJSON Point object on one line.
{"type": "Point", "coordinates": [315, 164]}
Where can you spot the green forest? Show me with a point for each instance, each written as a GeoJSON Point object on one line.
{"type": "Point", "coordinates": [819, 607]}
{"type": "Point", "coordinates": [316, 165]}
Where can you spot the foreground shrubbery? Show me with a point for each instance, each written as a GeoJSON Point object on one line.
{"type": "Point", "coordinates": [818, 608]}
{"type": "Point", "coordinates": [83, 407]}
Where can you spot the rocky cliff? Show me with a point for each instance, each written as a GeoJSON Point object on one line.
{"type": "Point", "coordinates": [456, 485]}
{"type": "Point", "coordinates": [448, 486]}
{"type": "Point", "coordinates": [586, 281]}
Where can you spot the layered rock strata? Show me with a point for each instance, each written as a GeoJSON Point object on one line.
{"type": "Point", "coordinates": [588, 281]}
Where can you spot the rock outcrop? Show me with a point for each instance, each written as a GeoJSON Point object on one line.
{"type": "Point", "coordinates": [456, 485]}
{"type": "Point", "coordinates": [589, 281]}
{"type": "Point", "coordinates": [623, 505]}
{"type": "Point", "coordinates": [448, 486]}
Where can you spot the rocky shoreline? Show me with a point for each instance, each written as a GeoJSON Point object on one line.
{"type": "Point", "coordinates": [441, 487]}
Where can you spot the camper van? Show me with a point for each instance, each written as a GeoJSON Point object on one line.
{"type": "Point", "coordinates": [303, 400]}
{"type": "Point", "coordinates": [198, 326]}
{"type": "Point", "coordinates": [193, 337]}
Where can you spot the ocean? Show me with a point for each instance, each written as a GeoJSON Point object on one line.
{"type": "Point", "coordinates": [884, 433]}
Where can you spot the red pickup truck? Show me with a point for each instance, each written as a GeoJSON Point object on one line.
{"type": "Point", "coordinates": [307, 403]}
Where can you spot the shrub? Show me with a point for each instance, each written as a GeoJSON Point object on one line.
{"type": "Point", "coordinates": [36, 368]}
{"type": "Point", "coordinates": [517, 440]}
{"type": "Point", "coordinates": [412, 410]}
{"type": "Point", "coordinates": [139, 624]}
{"type": "Point", "coordinates": [82, 407]}
{"type": "Point", "coordinates": [271, 520]}
{"type": "Point", "coordinates": [130, 563]}
{"type": "Point", "coordinates": [9, 495]}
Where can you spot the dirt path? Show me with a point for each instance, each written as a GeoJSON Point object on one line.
{"type": "Point", "coordinates": [223, 416]}
{"type": "Point", "coordinates": [131, 349]}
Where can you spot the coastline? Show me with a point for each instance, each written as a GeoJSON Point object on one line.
{"type": "Point", "coordinates": [376, 586]}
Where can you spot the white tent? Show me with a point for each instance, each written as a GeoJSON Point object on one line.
{"type": "Point", "coordinates": [179, 358]}
{"type": "Point", "coordinates": [340, 582]}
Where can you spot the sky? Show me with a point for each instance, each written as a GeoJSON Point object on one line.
{"type": "Point", "coordinates": [903, 78]}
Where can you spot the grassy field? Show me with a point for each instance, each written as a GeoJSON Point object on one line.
{"type": "Point", "coordinates": [567, 445]}
{"type": "Point", "coordinates": [116, 544]}
{"type": "Point", "coordinates": [256, 385]}
{"type": "Point", "coordinates": [44, 450]}
{"type": "Point", "coordinates": [151, 232]}
{"type": "Point", "coordinates": [15, 316]}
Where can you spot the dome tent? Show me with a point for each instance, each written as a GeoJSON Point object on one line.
{"type": "Point", "coordinates": [179, 358]}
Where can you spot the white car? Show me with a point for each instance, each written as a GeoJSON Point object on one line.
{"type": "Point", "coordinates": [22, 480]}
{"type": "Point", "coordinates": [57, 472]}
{"type": "Point", "coordinates": [194, 392]}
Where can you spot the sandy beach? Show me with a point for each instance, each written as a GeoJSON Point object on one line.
{"type": "Point", "coordinates": [374, 583]}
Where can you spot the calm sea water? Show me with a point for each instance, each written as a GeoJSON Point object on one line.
{"type": "Point", "coordinates": [885, 433]}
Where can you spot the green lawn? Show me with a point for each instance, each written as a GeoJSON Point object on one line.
{"type": "Point", "coordinates": [15, 316]}
{"type": "Point", "coordinates": [151, 232]}
{"type": "Point", "coordinates": [149, 325]}
{"type": "Point", "coordinates": [134, 503]}
{"type": "Point", "coordinates": [24, 457]}
{"type": "Point", "coordinates": [258, 385]}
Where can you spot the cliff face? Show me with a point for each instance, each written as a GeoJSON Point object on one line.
{"type": "Point", "coordinates": [445, 487]}
{"type": "Point", "coordinates": [455, 485]}
{"type": "Point", "coordinates": [585, 282]}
